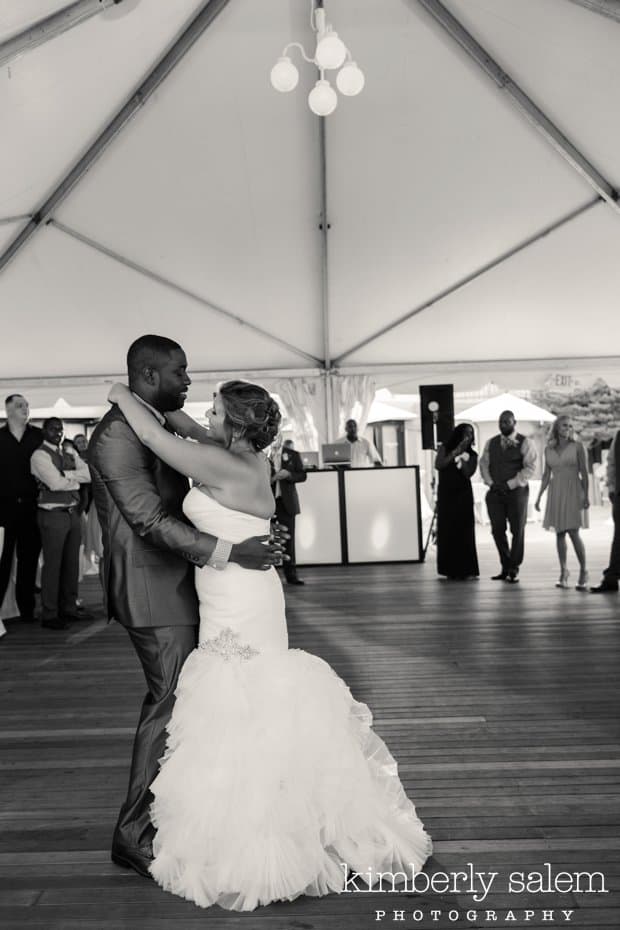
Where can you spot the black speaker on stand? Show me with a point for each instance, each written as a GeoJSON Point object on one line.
{"type": "Point", "coordinates": [437, 416]}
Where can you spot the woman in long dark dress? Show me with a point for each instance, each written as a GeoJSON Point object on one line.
{"type": "Point", "coordinates": [456, 462]}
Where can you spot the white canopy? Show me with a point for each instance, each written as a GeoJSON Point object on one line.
{"type": "Point", "coordinates": [380, 412]}
{"type": "Point", "coordinates": [489, 410]}
{"type": "Point", "coordinates": [152, 180]}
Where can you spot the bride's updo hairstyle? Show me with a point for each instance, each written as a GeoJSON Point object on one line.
{"type": "Point", "coordinates": [250, 413]}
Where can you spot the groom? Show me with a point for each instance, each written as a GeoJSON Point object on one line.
{"type": "Point", "coordinates": [150, 551]}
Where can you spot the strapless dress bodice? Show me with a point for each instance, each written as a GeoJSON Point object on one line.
{"type": "Point", "coordinates": [209, 516]}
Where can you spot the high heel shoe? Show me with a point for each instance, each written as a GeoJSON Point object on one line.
{"type": "Point", "coordinates": [582, 584]}
{"type": "Point", "coordinates": [563, 582]}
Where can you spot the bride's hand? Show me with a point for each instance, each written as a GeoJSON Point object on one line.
{"type": "Point", "coordinates": [117, 392]}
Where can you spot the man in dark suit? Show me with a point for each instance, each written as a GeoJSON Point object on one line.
{"type": "Point", "coordinates": [286, 471]}
{"type": "Point", "coordinates": [18, 504]}
{"type": "Point", "coordinates": [150, 550]}
{"type": "Point", "coordinates": [611, 575]}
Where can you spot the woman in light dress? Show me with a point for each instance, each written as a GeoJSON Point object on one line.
{"type": "Point", "coordinates": [566, 511]}
{"type": "Point", "coordinates": [273, 783]}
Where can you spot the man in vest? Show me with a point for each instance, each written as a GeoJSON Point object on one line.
{"type": "Point", "coordinates": [611, 575]}
{"type": "Point", "coordinates": [59, 522]}
{"type": "Point", "coordinates": [506, 465]}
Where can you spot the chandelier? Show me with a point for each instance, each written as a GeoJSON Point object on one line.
{"type": "Point", "coordinates": [330, 54]}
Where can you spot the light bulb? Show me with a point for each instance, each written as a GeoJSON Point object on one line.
{"type": "Point", "coordinates": [330, 51]}
{"type": "Point", "coordinates": [284, 75]}
{"type": "Point", "coordinates": [350, 79]}
{"type": "Point", "coordinates": [322, 99]}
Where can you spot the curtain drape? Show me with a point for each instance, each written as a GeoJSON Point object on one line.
{"type": "Point", "coordinates": [304, 403]}
{"type": "Point", "coordinates": [353, 396]}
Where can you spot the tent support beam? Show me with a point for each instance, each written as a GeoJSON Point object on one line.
{"type": "Point", "coordinates": [324, 229]}
{"type": "Point", "coordinates": [36, 382]}
{"type": "Point", "coordinates": [567, 362]}
{"type": "Point", "coordinates": [179, 289]}
{"type": "Point", "coordinates": [14, 219]}
{"type": "Point", "coordinates": [531, 111]}
{"type": "Point", "coordinates": [51, 26]}
{"type": "Point", "coordinates": [408, 371]}
{"type": "Point", "coordinates": [608, 8]}
{"type": "Point", "coordinates": [463, 282]}
{"type": "Point", "coordinates": [203, 19]}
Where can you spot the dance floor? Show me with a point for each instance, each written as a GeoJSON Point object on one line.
{"type": "Point", "coordinates": [499, 703]}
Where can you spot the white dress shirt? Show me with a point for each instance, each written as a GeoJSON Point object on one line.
{"type": "Point", "coordinates": [363, 452]}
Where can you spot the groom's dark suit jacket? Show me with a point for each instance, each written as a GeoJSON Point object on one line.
{"type": "Point", "coordinates": [149, 546]}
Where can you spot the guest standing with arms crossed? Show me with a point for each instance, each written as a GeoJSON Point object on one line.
{"type": "Point", "coordinates": [507, 464]}
{"type": "Point", "coordinates": [59, 476]}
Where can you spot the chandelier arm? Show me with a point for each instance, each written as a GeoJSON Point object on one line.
{"type": "Point", "coordinates": [301, 49]}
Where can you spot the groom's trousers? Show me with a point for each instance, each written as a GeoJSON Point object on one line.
{"type": "Point", "coordinates": [510, 507]}
{"type": "Point", "coordinates": [162, 652]}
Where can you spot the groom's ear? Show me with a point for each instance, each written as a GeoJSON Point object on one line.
{"type": "Point", "coordinates": [151, 376]}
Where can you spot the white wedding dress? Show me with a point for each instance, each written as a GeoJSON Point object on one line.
{"type": "Point", "coordinates": [273, 780]}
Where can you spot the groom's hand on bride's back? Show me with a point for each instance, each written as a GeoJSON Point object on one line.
{"type": "Point", "coordinates": [261, 552]}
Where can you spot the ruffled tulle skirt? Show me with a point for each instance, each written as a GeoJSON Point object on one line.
{"type": "Point", "coordinates": [273, 784]}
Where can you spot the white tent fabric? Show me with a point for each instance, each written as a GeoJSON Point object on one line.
{"type": "Point", "coordinates": [490, 410]}
{"type": "Point", "coordinates": [214, 187]}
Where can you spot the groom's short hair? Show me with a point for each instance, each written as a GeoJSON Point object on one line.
{"type": "Point", "coordinates": [149, 352]}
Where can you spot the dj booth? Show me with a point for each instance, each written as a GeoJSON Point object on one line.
{"type": "Point", "coordinates": [359, 516]}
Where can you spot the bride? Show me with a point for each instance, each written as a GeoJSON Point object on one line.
{"type": "Point", "coordinates": [273, 783]}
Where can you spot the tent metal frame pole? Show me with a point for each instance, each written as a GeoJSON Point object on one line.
{"type": "Point", "coordinates": [203, 19]}
{"type": "Point", "coordinates": [324, 228]}
{"type": "Point", "coordinates": [608, 8]}
{"type": "Point", "coordinates": [463, 282]}
{"type": "Point", "coordinates": [51, 26]}
{"type": "Point", "coordinates": [413, 368]}
{"type": "Point", "coordinates": [575, 158]}
{"type": "Point", "coordinates": [14, 219]}
{"type": "Point", "coordinates": [179, 289]}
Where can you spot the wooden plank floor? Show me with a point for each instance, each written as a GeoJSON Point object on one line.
{"type": "Point", "coordinates": [499, 702]}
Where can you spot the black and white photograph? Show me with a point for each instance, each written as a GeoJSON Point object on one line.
{"type": "Point", "coordinates": [309, 464]}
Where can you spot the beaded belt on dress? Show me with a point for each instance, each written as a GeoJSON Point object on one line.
{"type": "Point", "coordinates": [226, 646]}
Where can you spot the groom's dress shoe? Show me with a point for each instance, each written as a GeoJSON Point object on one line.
{"type": "Point", "coordinates": [132, 859]}
{"type": "Point", "coordinates": [501, 577]}
{"type": "Point", "coordinates": [605, 588]}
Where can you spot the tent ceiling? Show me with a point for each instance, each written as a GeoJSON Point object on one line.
{"type": "Point", "coordinates": [215, 184]}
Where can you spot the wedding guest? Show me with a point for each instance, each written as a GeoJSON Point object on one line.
{"type": "Point", "coordinates": [287, 470]}
{"type": "Point", "coordinates": [18, 504]}
{"type": "Point", "coordinates": [59, 479]}
{"type": "Point", "coordinates": [566, 510]}
{"type": "Point", "coordinates": [80, 444]}
{"type": "Point", "coordinates": [363, 452]}
{"type": "Point", "coordinates": [456, 462]}
{"type": "Point", "coordinates": [611, 575]}
{"type": "Point", "coordinates": [507, 464]}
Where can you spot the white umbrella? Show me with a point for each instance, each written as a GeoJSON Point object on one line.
{"type": "Point", "coordinates": [489, 410]}
{"type": "Point", "coordinates": [380, 412]}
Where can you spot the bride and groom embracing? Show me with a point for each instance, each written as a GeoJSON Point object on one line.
{"type": "Point", "coordinates": [255, 775]}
